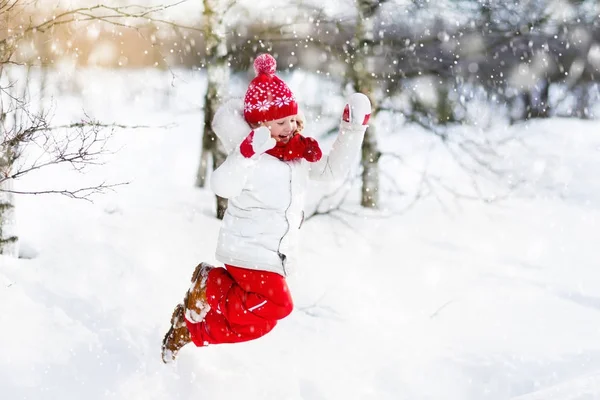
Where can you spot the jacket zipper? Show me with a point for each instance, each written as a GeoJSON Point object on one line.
{"type": "Point", "coordinates": [281, 255]}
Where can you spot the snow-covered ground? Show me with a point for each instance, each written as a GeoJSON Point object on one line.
{"type": "Point", "coordinates": [478, 301]}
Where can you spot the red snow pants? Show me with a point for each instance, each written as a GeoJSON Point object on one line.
{"type": "Point", "coordinates": [244, 304]}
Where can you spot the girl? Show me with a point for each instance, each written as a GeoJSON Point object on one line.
{"type": "Point", "coordinates": [264, 177]}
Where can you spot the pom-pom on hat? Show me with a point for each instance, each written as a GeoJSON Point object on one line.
{"type": "Point", "coordinates": [268, 98]}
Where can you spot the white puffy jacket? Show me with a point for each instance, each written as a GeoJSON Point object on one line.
{"type": "Point", "coordinates": [266, 196]}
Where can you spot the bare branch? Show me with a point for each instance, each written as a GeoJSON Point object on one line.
{"type": "Point", "coordinates": [477, 156]}
{"type": "Point", "coordinates": [100, 12]}
{"type": "Point", "coordinates": [439, 310]}
{"type": "Point", "coordinates": [87, 124]}
{"type": "Point", "coordinates": [79, 145]}
{"type": "Point", "coordinates": [80, 194]}
{"type": "Point", "coordinates": [345, 186]}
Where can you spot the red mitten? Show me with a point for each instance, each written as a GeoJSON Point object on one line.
{"type": "Point", "coordinates": [312, 151]}
{"type": "Point", "coordinates": [246, 146]}
{"type": "Point", "coordinates": [257, 142]}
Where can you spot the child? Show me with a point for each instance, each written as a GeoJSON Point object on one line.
{"type": "Point", "coordinates": [264, 177]}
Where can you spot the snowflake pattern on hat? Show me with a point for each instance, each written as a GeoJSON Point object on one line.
{"type": "Point", "coordinates": [283, 101]}
{"type": "Point", "coordinates": [268, 98]}
{"type": "Point", "coordinates": [263, 105]}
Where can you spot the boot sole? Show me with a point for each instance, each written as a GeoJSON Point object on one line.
{"type": "Point", "coordinates": [197, 271]}
{"type": "Point", "coordinates": [171, 329]}
{"type": "Point", "coordinates": [197, 274]}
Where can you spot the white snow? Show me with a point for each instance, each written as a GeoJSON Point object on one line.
{"type": "Point", "coordinates": [474, 301]}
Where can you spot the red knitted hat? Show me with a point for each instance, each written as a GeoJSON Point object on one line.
{"type": "Point", "coordinates": [268, 98]}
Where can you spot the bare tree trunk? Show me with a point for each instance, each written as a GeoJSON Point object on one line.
{"type": "Point", "coordinates": [370, 173]}
{"type": "Point", "coordinates": [209, 139]}
{"type": "Point", "coordinates": [538, 100]}
{"type": "Point", "coordinates": [544, 106]}
{"type": "Point", "coordinates": [9, 242]}
{"type": "Point", "coordinates": [217, 72]}
{"type": "Point", "coordinates": [528, 105]}
{"type": "Point", "coordinates": [444, 108]}
{"type": "Point", "coordinates": [582, 105]}
{"type": "Point", "coordinates": [362, 81]}
{"type": "Point", "coordinates": [218, 158]}
{"type": "Point", "coordinates": [212, 147]}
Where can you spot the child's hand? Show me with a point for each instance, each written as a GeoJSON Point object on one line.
{"type": "Point", "coordinates": [358, 110]}
{"type": "Point", "coordinates": [257, 142]}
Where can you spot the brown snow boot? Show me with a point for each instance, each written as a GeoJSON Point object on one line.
{"type": "Point", "coordinates": [195, 302]}
{"type": "Point", "coordinates": [177, 337]}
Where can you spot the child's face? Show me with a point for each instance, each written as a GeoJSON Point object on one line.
{"type": "Point", "coordinates": [282, 129]}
